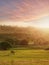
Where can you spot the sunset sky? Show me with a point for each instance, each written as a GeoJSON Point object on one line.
{"type": "Point", "coordinates": [24, 12]}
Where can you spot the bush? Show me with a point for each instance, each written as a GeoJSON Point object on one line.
{"type": "Point", "coordinates": [12, 52]}
{"type": "Point", "coordinates": [5, 45]}
{"type": "Point", "coordinates": [47, 49]}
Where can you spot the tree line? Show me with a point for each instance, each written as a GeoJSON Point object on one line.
{"type": "Point", "coordinates": [10, 43]}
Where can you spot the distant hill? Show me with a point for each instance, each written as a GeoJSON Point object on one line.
{"type": "Point", "coordinates": [38, 36]}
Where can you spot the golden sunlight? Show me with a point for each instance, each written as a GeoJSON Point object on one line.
{"type": "Point", "coordinates": [42, 23]}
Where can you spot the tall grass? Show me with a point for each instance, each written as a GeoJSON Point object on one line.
{"type": "Point", "coordinates": [24, 57]}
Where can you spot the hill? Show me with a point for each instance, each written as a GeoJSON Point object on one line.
{"type": "Point", "coordinates": [36, 36]}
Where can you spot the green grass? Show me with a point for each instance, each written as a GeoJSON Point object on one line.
{"type": "Point", "coordinates": [24, 57]}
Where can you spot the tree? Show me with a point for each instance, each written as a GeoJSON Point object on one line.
{"type": "Point", "coordinates": [24, 42]}
{"type": "Point", "coordinates": [11, 41]}
{"type": "Point", "coordinates": [5, 45]}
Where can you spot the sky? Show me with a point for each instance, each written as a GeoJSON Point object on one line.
{"type": "Point", "coordinates": [14, 11]}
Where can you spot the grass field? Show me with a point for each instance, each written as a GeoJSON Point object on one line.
{"type": "Point", "coordinates": [24, 57]}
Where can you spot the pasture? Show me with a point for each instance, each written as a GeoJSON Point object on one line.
{"type": "Point", "coordinates": [24, 57]}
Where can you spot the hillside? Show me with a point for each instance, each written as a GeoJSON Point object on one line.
{"type": "Point", "coordinates": [39, 37]}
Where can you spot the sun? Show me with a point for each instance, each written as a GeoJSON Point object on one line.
{"type": "Point", "coordinates": [42, 23]}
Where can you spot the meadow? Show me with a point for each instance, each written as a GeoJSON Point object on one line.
{"type": "Point", "coordinates": [24, 57]}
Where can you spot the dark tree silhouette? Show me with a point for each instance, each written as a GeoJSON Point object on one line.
{"type": "Point", "coordinates": [5, 45]}
{"type": "Point", "coordinates": [24, 42]}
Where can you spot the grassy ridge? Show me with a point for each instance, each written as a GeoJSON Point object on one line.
{"type": "Point", "coordinates": [24, 57]}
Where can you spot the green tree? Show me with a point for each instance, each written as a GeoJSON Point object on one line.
{"type": "Point", "coordinates": [5, 45]}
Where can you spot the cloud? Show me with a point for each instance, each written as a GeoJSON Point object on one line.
{"type": "Point", "coordinates": [23, 10]}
